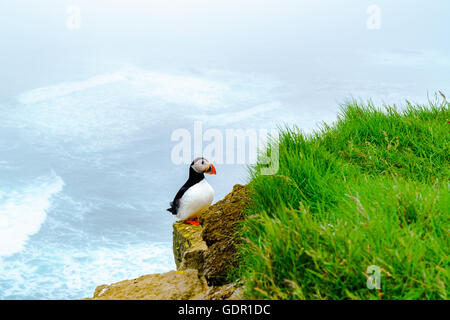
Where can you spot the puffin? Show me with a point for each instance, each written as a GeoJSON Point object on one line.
{"type": "Point", "coordinates": [196, 194]}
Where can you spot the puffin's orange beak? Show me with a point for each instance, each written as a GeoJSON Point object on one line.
{"type": "Point", "coordinates": [211, 169]}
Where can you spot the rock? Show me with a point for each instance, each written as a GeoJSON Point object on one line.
{"type": "Point", "coordinates": [188, 246]}
{"type": "Point", "coordinates": [172, 285]}
{"type": "Point", "coordinates": [229, 291]}
{"type": "Point", "coordinates": [219, 223]}
{"type": "Point", "coordinates": [203, 255]}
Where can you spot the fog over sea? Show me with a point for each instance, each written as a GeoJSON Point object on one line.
{"type": "Point", "coordinates": [88, 107]}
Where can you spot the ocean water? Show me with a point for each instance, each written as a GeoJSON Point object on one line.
{"type": "Point", "coordinates": [87, 115]}
{"type": "Point", "coordinates": [89, 174]}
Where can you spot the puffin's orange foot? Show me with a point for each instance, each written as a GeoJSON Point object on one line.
{"type": "Point", "coordinates": [194, 222]}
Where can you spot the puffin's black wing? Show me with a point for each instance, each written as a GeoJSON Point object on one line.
{"type": "Point", "coordinates": [175, 204]}
{"type": "Point", "coordinates": [194, 177]}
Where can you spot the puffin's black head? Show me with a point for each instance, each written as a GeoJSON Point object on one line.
{"type": "Point", "coordinates": [201, 165]}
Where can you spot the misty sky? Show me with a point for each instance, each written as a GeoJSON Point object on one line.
{"type": "Point", "coordinates": [324, 43]}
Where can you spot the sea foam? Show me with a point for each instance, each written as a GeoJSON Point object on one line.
{"type": "Point", "coordinates": [73, 273]}
{"type": "Point", "coordinates": [23, 211]}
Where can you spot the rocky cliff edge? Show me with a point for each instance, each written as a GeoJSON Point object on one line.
{"type": "Point", "coordinates": [203, 254]}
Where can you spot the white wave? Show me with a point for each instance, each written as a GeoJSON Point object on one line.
{"type": "Point", "coordinates": [23, 211]}
{"type": "Point", "coordinates": [66, 88]}
{"type": "Point", "coordinates": [74, 273]}
{"type": "Point", "coordinates": [109, 110]}
{"type": "Point", "coordinates": [199, 92]}
{"type": "Point", "coordinates": [192, 90]}
{"type": "Point", "coordinates": [268, 110]}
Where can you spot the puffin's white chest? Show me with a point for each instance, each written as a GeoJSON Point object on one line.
{"type": "Point", "coordinates": [195, 199]}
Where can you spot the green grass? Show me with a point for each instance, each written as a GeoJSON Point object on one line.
{"type": "Point", "coordinates": [372, 189]}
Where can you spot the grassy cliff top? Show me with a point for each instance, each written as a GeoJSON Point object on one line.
{"type": "Point", "coordinates": [370, 190]}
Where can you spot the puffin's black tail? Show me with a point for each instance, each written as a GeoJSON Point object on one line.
{"type": "Point", "coordinates": [172, 209]}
